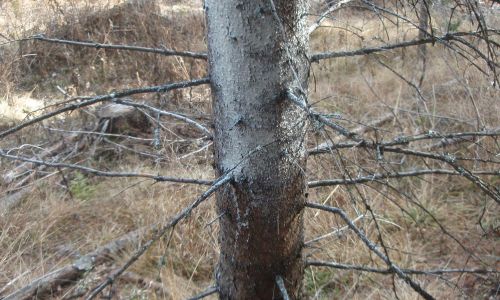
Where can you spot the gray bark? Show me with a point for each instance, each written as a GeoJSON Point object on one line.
{"type": "Point", "coordinates": [253, 61]}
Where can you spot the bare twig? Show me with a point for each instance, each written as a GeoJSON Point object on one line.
{"type": "Point", "coordinates": [103, 98]}
{"type": "Point", "coordinates": [320, 118]}
{"type": "Point", "coordinates": [373, 248]}
{"type": "Point", "coordinates": [104, 173]}
{"type": "Point", "coordinates": [166, 113]}
{"type": "Point", "coordinates": [209, 291]}
{"type": "Point", "coordinates": [491, 191]}
{"type": "Point", "coordinates": [390, 271]}
{"type": "Point", "coordinates": [161, 231]}
{"type": "Point", "coordinates": [404, 140]}
{"type": "Point", "coordinates": [162, 51]}
{"type": "Point", "coordinates": [452, 36]}
{"type": "Point", "coordinates": [334, 232]}
{"type": "Point", "coordinates": [324, 15]}
{"type": "Point", "coordinates": [374, 125]}
{"type": "Point", "coordinates": [72, 132]}
{"type": "Point", "coordinates": [379, 176]}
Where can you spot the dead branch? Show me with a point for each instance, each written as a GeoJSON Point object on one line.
{"type": "Point", "coordinates": [383, 147]}
{"type": "Point", "coordinates": [18, 171]}
{"type": "Point", "coordinates": [389, 271]}
{"type": "Point", "coordinates": [104, 173]}
{"type": "Point", "coordinates": [101, 134]}
{"type": "Point", "coordinates": [482, 33]}
{"type": "Point", "coordinates": [379, 176]}
{"type": "Point", "coordinates": [339, 5]}
{"type": "Point", "coordinates": [104, 98]}
{"type": "Point", "coordinates": [360, 130]}
{"type": "Point", "coordinates": [454, 139]}
{"type": "Point", "coordinates": [373, 248]}
{"type": "Point", "coordinates": [161, 232]}
{"type": "Point", "coordinates": [166, 113]}
{"type": "Point", "coordinates": [321, 118]}
{"type": "Point", "coordinates": [405, 140]}
{"type": "Point", "coordinates": [489, 190]}
{"type": "Point", "coordinates": [334, 232]}
{"type": "Point", "coordinates": [209, 291]}
{"type": "Point", "coordinates": [453, 36]}
{"type": "Point", "coordinates": [97, 46]}
{"type": "Point", "coordinates": [451, 160]}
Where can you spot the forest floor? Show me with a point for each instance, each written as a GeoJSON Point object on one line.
{"type": "Point", "coordinates": [50, 217]}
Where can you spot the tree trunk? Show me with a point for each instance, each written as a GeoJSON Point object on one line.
{"type": "Point", "coordinates": [253, 61]}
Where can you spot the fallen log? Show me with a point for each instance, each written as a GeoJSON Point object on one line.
{"type": "Point", "coordinates": [75, 271]}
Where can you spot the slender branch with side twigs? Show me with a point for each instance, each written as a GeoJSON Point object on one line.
{"type": "Point", "coordinates": [397, 270]}
{"type": "Point", "coordinates": [404, 140]}
{"type": "Point", "coordinates": [165, 113]}
{"type": "Point", "coordinates": [337, 6]}
{"type": "Point", "coordinates": [96, 172]}
{"type": "Point", "coordinates": [95, 45]}
{"type": "Point", "coordinates": [452, 36]}
{"type": "Point", "coordinates": [103, 98]}
{"type": "Point", "coordinates": [335, 265]}
{"type": "Point", "coordinates": [161, 232]}
{"type": "Point", "coordinates": [376, 177]}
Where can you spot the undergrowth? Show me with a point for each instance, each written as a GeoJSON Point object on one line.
{"type": "Point", "coordinates": [66, 214]}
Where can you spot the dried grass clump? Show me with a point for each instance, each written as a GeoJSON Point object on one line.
{"type": "Point", "coordinates": [85, 70]}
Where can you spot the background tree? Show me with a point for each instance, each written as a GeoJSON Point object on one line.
{"type": "Point", "coordinates": [382, 138]}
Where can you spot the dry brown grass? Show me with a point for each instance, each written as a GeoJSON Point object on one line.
{"type": "Point", "coordinates": [65, 216]}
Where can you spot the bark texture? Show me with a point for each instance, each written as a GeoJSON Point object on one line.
{"type": "Point", "coordinates": [254, 59]}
